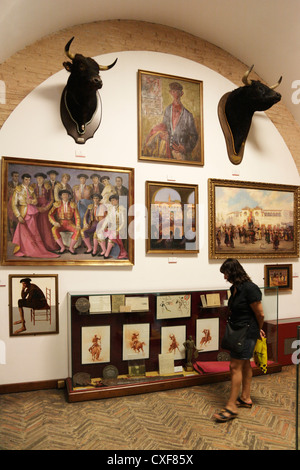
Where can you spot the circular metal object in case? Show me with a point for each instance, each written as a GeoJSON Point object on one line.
{"type": "Point", "coordinates": [110, 372]}
{"type": "Point", "coordinates": [82, 305]}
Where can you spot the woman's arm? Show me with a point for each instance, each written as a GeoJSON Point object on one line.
{"type": "Point", "coordinates": [259, 314]}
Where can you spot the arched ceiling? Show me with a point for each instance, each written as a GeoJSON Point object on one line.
{"type": "Point", "coordinates": [265, 33]}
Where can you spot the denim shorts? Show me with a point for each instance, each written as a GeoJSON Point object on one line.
{"type": "Point", "coordinates": [247, 351]}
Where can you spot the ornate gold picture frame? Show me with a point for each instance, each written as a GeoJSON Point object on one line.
{"type": "Point", "coordinates": [56, 213]}
{"type": "Point", "coordinates": [253, 220]}
{"type": "Point", "coordinates": [170, 119]}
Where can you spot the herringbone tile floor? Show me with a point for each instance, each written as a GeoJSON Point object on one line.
{"type": "Point", "coordinates": [172, 420]}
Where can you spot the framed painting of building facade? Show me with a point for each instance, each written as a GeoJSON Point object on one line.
{"type": "Point", "coordinates": [253, 220]}
{"type": "Point", "coordinates": [172, 217]}
{"type": "Point", "coordinates": [56, 213]}
{"type": "Point", "coordinates": [170, 119]}
{"type": "Point", "coordinates": [33, 304]}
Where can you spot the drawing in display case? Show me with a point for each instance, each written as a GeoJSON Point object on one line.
{"type": "Point", "coordinates": [126, 330]}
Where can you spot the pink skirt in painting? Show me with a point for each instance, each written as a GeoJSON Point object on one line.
{"type": "Point", "coordinates": [28, 239]}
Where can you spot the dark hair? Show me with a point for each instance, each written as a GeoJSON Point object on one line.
{"type": "Point", "coordinates": [234, 271]}
{"type": "Point", "coordinates": [176, 86]}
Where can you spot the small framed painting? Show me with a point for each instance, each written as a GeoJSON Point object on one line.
{"type": "Point", "coordinates": [279, 275]}
{"type": "Point", "coordinates": [172, 339]}
{"type": "Point", "coordinates": [173, 306]}
{"type": "Point", "coordinates": [136, 340]}
{"type": "Point", "coordinates": [95, 344]}
{"type": "Point", "coordinates": [33, 304]}
{"type": "Point", "coordinates": [207, 334]}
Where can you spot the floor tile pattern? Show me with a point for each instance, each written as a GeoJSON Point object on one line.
{"type": "Point", "coordinates": [176, 420]}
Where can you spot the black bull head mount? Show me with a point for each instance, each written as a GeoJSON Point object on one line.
{"type": "Point", "coordinates": [235, 111]}
{"type": "Point", "coordinates": [80, 105]}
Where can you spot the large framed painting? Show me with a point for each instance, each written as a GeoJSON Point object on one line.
{"type": "Point", "coordinates": [253, 220]}
{"type": "Point", "coordinates": [33, 304]}
{"type": "Point", "coordinates": [170, 119]}
{"type": "Point", "coordinates": [56, 213]}
{"type": "Point", "coordinates": [172, 217]}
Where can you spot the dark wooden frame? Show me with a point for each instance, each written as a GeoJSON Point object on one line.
{"type": "Point", "coordinates": [270, 269]}
{"type": "Point", "coordinates": [28, 314]}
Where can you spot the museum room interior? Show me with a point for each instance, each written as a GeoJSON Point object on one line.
{"type": "Point", "coordinates": [143, 144]}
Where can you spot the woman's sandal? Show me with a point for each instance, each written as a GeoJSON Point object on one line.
{"type": "Point", "coordinates": [242, 404]}
{"type": "Point", "coordinates": [223, 418]}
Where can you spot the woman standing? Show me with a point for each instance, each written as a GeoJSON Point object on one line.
{"type": "Point", "coordinates": [246, 309]}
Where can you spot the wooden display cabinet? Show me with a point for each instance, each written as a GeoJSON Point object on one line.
{"type": "Point", "coordinates": [113, 322]}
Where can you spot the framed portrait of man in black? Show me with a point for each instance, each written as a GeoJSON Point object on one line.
{"type": "Point", "coordinates": [33, 304]}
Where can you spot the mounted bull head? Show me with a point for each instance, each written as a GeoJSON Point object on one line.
{"type": "Point", "coordinates": [80, 101]}
{"type": "Point", "coordinates": [236, 109]}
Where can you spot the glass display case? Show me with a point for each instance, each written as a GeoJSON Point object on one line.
{"type": "Point", "coordinates": [129, 343]}
{"type": "Point", "coordinates": [297, 391]}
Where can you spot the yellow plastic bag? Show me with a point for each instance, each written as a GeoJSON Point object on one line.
{"type": "Point", "coordinates": [260, 354]}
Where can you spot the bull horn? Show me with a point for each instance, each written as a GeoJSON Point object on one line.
{"type": "Point", "coordinates": [276, 84]}
{"type": "Point", "coordinates": [107, 67]}
{"type": "Point", "coordinates": [67, 47]}
{"type": "Point", "coordinates": [245, 79]}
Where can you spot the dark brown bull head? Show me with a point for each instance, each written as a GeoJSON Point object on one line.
{"type": "Point", "coordinates": [80, 104]}
{"type": "Point", "coordinates": [237, 108]}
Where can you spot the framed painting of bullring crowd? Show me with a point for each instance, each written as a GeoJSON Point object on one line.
{"type": "Point", "coordinates": [56, 213]}
{"type": "Point", "coordinates": [170, 119]}
{"type": "Point", "coordinates": [253, 220]}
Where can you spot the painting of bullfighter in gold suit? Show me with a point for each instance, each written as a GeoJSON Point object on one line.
{"type": "Point", "coordinates": [55, 213]}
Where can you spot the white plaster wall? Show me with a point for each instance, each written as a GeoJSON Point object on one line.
{"type": "Point", "coordinates": [34, 130]}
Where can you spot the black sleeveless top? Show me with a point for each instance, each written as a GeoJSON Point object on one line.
{"type": "Point", "coordinates": [239, 305]}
